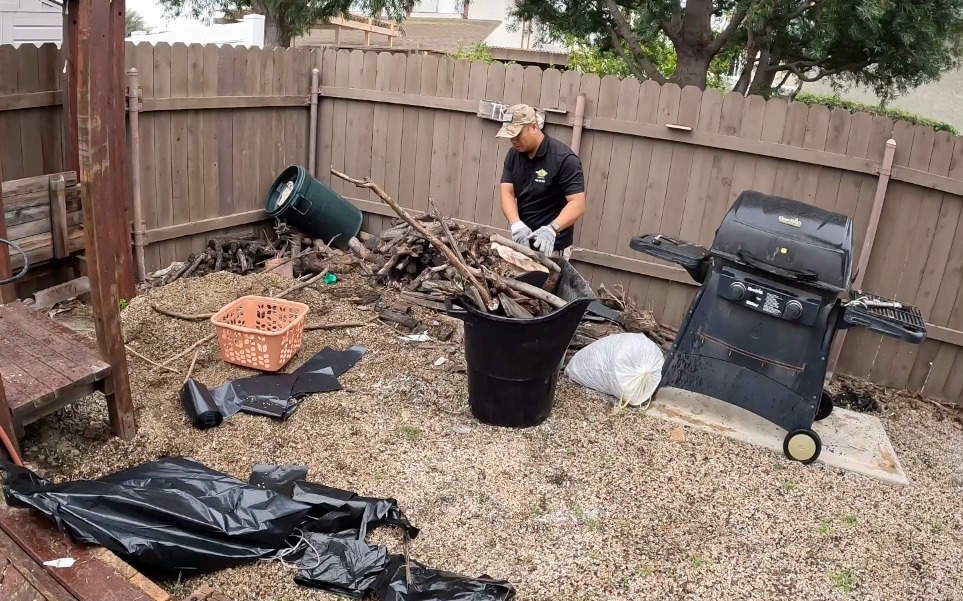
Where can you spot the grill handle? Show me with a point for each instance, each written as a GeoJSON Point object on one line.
{"type": "Point", "coordinates": [794, 274]}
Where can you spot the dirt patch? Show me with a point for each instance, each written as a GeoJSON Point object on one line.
{"type": "Point", "coordinates": [590, 505]}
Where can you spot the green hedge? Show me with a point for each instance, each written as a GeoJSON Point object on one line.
{"type": "Point", "coordinates": [852, 106]}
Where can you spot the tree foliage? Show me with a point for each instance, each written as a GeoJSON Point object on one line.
{"type": "Point", "coordinates": [889, 45]}
{"type": "Point", "coordinates": [134, 21]}
{"type": "Point", "coordinates": [287, 19]}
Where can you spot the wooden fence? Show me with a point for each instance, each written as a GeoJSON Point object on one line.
{"type": "Point", "coordinates": [218, 124]}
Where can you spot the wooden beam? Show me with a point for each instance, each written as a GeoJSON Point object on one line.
{"type": "Point", "coordinates": [118, 152]}
{"type": "Point", "coordinates": [69, 122]}
{"type": "Point", "coordinates": [204, 226]}
{"type": "Point", "coordinates": [98, 27]}
{"type": "Point", "coordinates": [8, 293]}
{"type": "Point", "coordinates": [222, 102]}
{"type": "Point", "coordinates": [30, 100]}
{"type": "Point", "coordinates": [6, 422]}
{"type": "Point", "coordinates": [924, 179]}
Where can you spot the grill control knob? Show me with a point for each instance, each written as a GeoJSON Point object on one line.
{"type": "Point", "coordinates": [794, 310]}
{"type": "Point", "coordinates": [737, 291]}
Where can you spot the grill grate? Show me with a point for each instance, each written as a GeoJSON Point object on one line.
{"type": "Point", "coordinates": [907, 316]}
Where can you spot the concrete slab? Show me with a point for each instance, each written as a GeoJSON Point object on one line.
{"type": "Point", "coordinates": [851, 441]}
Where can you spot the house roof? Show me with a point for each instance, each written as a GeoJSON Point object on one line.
{"type": "Point", "coordinates": [442, 35]}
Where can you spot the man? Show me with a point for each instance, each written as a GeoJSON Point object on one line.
{"type": "Point", "coordinates": [542, 186]}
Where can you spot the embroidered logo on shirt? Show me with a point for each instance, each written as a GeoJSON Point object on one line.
{"type": "Point", "coordinates": [540, 176]}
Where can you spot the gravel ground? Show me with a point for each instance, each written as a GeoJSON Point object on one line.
{"type": "Point", "coordinates": [590, 505]}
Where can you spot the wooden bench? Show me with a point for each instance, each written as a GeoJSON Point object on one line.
{"type": "Point", "coordinates": [45, 365]}
{"type": "Point", "coordinates": [44, 216]}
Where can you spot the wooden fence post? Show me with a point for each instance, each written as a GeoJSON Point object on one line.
{"type": "Point", "coordinates": [866, 251]}
{"type": "Point", "coordinates": [140, 229]}
{"type": "Point", "coordinates": [8, 293]}
{"type": "Point", "coordinates": [313, 131]}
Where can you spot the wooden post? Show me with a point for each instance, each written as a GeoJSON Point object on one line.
{"type": "Point", "coordinates": [6, 423]}
{"type": "Point", "coordinates": [8, 293]}
{"type": "Point", "coordinates": [69, 122]}
{"type": "Point", "coordinates": [885, 169]}
{"type": "Point", "coordinates": [98, 27]}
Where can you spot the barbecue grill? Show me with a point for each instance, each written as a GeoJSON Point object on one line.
{"type": "Point", "coordinates": [775, 289]}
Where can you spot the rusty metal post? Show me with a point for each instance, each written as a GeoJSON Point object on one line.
{"type": "Point", "coordinates": [866, 251]}
{"type": "Point", "coordinates": [313, 133]}
{"type": "Point", "coordinates": [138, 226]}
{"type": "Point", "coordinates": [579, 123]}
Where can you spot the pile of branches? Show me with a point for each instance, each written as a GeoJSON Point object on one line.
{"type": "Point", "coordinates": [431, 259]}
{"type": "Point", "coordinates": [240, 254]}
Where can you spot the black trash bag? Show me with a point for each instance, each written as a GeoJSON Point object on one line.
{"type": "Point", "coordinates": [265, 394]}
{"type": "Point", "coordinates": [335, 511]}
{"type": "Point", "coordinates": [200, 405]}
{"type": "Point", "coordinates": [168, 516]}
{"type": "Point", "coordinates": [429, 584]}
{"type": "Point", "coordinates": [279, 478]}
{"type": "Point", "coordinates": [320, 373]}
{"type": "Point", "coordinates": [342, 567]}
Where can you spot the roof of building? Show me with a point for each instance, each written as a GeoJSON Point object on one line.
{"type": "Point", "coordinates": [442, 35]}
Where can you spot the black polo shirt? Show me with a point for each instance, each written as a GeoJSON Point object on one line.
{"type": "Point", "coordinates": [542, 183]}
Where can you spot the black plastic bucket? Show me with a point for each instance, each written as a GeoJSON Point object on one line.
{"type": "Point", "coordinates": [514, 364]}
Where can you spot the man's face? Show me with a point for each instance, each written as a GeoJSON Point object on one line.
{"type": "Point", "coordinates": [527, 140]}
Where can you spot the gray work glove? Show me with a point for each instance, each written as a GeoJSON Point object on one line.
{"type": "Point", "coordinates": [544, 238]}
{"type": "Point", "coordinates": [521, 233]}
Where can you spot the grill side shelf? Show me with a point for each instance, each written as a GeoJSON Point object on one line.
{"type": "Point", "coordinates": [905, 323]}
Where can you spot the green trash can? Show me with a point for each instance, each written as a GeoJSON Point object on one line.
{"type": "Point", "coordinates": [313, 208]}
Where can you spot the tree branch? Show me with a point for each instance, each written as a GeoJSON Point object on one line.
{"type": "Point", "coordinates": [625, 32]}
{"type": "Point", "coordinates": [617, 44]}
{"type": "Point", "coordinates": [737, 18]}
{"type": "Point", "coordinates": [673, 27]}
{"type": "Point", "coordinates": [805, 7]}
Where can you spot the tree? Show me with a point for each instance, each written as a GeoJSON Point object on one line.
{"type": "Point", "coordinates": [287, 19]}
{"type": "Point", "coordinates": [890, 45]}
{"type": "Point", "coordinates": [134, 21]}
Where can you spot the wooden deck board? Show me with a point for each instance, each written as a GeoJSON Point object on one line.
{"type": "Point", "coordinates": [43, 363]}
{"type": "Point", "coordinates": [23, 579]}
{"type": "Point", "coordinates": [90, 579]}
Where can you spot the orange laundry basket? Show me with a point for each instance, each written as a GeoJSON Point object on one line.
{"type": "Point", "coordinates": [260, 332]}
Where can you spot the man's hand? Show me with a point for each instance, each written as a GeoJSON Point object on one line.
{"type": "Point", "coordinates": [521, 233]}
{"type": "Point", "coordinates": [544, 240]}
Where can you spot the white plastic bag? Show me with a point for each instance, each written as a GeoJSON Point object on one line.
{"type": "Point", "coordinates": [626, 366]}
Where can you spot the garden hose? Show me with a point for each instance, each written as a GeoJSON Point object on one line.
{"type": "Point", "coordinates": [23, 270]}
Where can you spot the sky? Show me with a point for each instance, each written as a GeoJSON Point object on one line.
{"type": "Point", "coordinates": [153, 13]}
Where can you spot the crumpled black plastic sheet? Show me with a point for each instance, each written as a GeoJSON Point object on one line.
{"type": "Point", "coordinates": [337, 511]}
{"type": "Point", "coordinates": [279, 478]}
{"type": "Point", "coordinates": [429, 584]}
{"type": "Point", "coordinates": [271, 395]}
{"type": "Point", "coordinates": [343, 567]}
{"type": "Point", "coordinates": [171, 515]}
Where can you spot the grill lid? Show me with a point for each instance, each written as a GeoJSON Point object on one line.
{"type": "Point", "coordinates": [788, 239]}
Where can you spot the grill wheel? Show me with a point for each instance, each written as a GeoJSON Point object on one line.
{"type": "Point", "coordinates": [802, 445]}
{"type": "Point", "coordinates": [826, 403]}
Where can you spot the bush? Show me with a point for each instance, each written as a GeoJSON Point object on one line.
{"type": "Point", "coordinates": [477, 52]}
{"type": "Point", "coordinates": [834, 102]}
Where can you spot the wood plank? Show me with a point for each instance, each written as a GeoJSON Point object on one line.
{"type": "Point", "coordinates": [294, 127]}
{"type": "Point", "coordinates": [204, 226]}
{"type": "Point", "coordinates": [658, 187]}
{"type": "Point", "coordinates": [245, 161]}
{"type": "Point", "coordinates": [23, 387]}
{"type": "Point", "coordinates": [379, 122]}
{"type": "Point", "coordinates": [225, 132]}
{"type": "Point", "coordinates": [491, 162]}
{"type": "Point", "coordinates": [925, 235]}
{"type": "Point", "coordinates": [945, 276]}
{"type": "Point", "coordinates": [440, 170]}
{"type": "Point", "coordinates": [448, 195]}
{"type": "Point", "coordinates": [339, 131]}
{"type": "Point", "coordinates": [6, 424]}
{"type": "Point", "coordinates": [11, 156]}
{"type": "Point", "coordinates": [511, 94]}
{"type": "Point", "coordinates": [107, 229]}
{"type": "Point", "coordinates": [354, 112]}
{"type": "Point", "coordinates": [54, 336]}
{"type": "Point", "coordinates": [279, 151]}
{"type": "Point", "coordinates": [326, 118]}
{"type": "Point", "coordinates": [786, 183]}
{"type": "Point", "coordinates": [366, 116]}
{"type": "Point", "coordinates": [60, 220]}
{"type": "Point", "coordinates": [398, 65]}
{"type": "Point", "coordinates": [180, 147]}
{"type": "Point", "coordinates": [144, 62]}
{"type": "Point", "coordinates": [89, 578]}
{"type": "Point", "coordinates": [817, 133]}
{"type": "Point", "coordinates": [51, 123]}
{"type": "Point", "coordinates": [850, 184]}
{"type": "Point", "coordinates": [15, 559]}
{"type": "Point", "coordinates": [252, 101]}
{"type": "Point", "coordinates": [30, 100]}
{"type": "Point", "coordinates": [163, 150]}
{"type": "Point", "coordinates": [8, 292]}
{"type": "Point", "coordinates": [468, 189]}
{"type": "Point", "coordinates": [723, 169]}
{"type": "Point", "coordinates": [28, 75]}
{"type": "Point", "coordinates": [426, 124]}
{"type": "Point", "coordinates": [598, 168]}
{"type": "Point", "coordinates": [696, 197]}
{"type": "Point", "coordinates": [777, 110]}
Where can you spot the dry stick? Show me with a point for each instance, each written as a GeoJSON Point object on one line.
{"type": "Point", "coordinates": [444, 228]}
{"type": "Point", "coordinates": [526, 289]}
{"type": "Point", "coordinates": [152, 362]}
{"type": "Point", "coordinates": [335, 326]}
{"type": "Point", "coordinates": [487, 304]}
{"type": "Point", "coordinates": [554, 271]}
{"type": "Point", "coordinates": [190, 370]}
{"type": "Point", "coordinates": [184, 316]}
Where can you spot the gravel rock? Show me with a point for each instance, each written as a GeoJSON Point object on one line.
{"type": "Point", "coordinates": [593, 504]}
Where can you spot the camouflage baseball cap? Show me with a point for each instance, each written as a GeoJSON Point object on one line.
{"type": "Point", "coordinates": [522, 115]}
